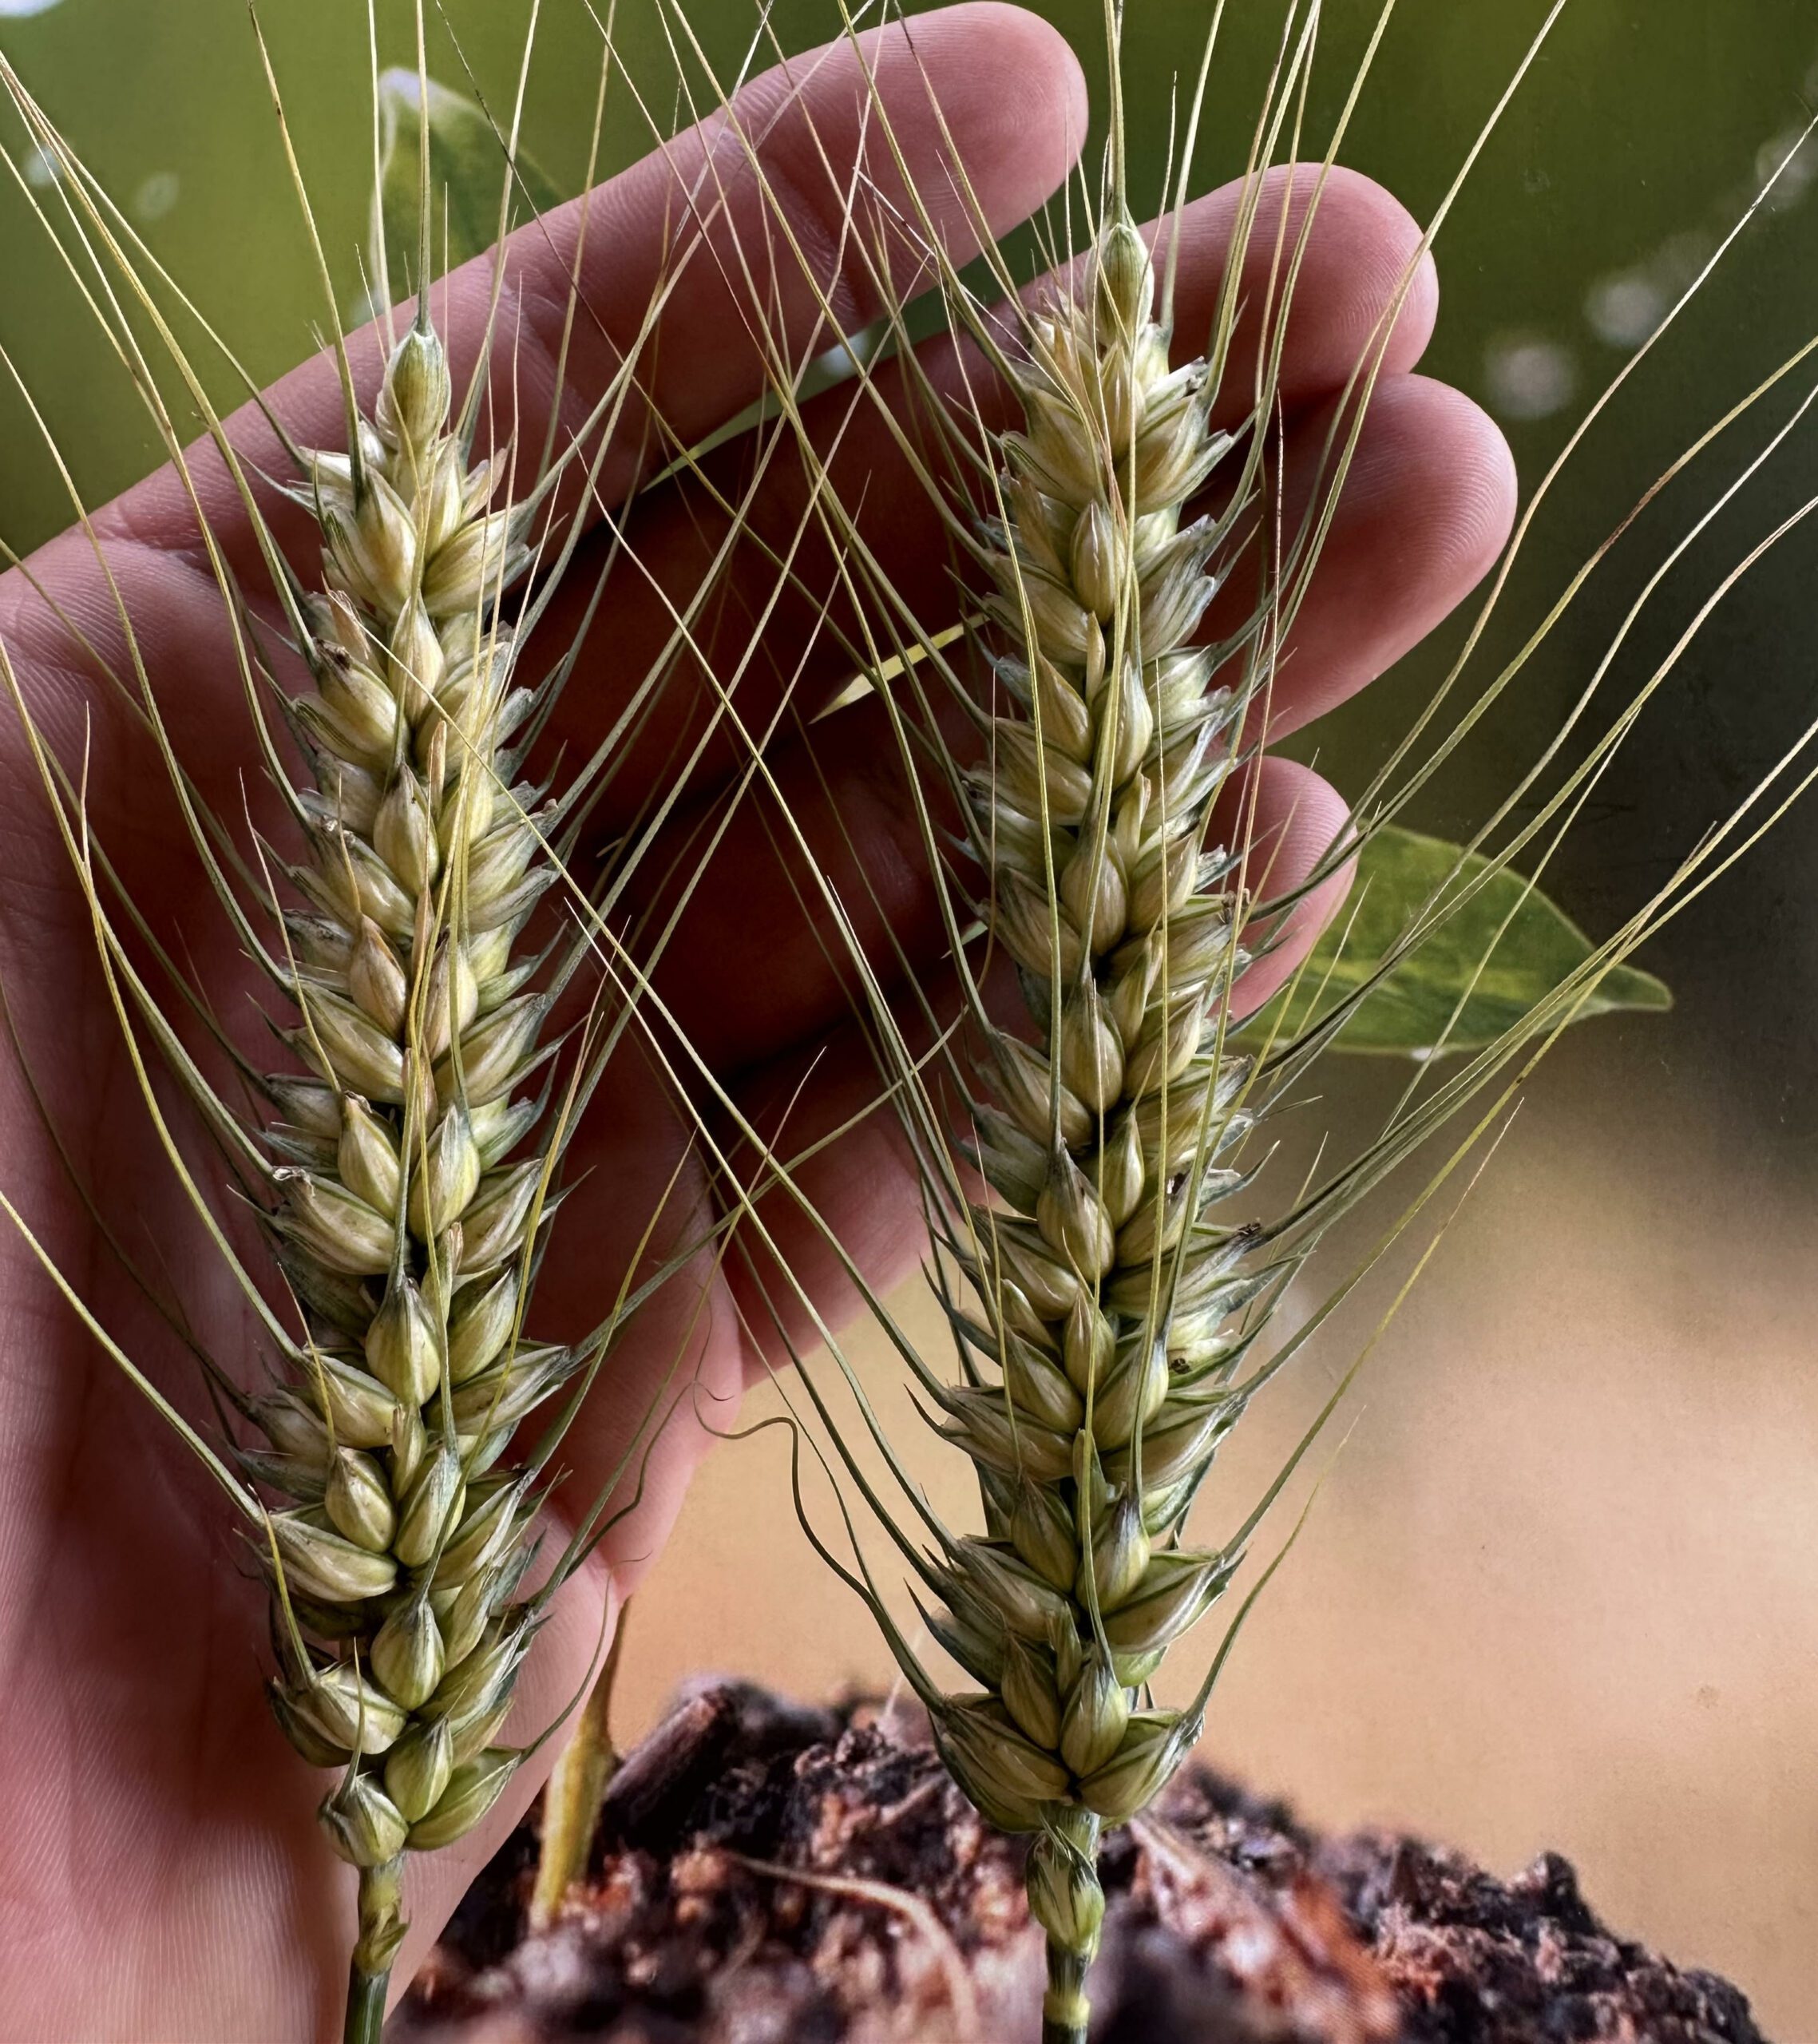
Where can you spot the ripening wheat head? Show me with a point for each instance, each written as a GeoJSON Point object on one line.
{"type": "Point", "coordinates": [1105, 1289]}
{"type": "Point", "coordinates": [403, 1229]}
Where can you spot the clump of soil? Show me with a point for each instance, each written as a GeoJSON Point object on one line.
{"type": "Point", "coordinates": [767, 1874]}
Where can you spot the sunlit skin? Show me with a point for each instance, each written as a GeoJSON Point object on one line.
{"type": "Point", "coordinates": [161, 1872]}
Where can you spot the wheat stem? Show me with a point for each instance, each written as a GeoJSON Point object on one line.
{"type": "Point", "coordinates": [1066, 2009]}
{"type": "Point", "coordinates": [368, 1971]}
{"type": "Point", "coordinates": [366, 1992]}
{"type": "Point", "coordinates": [1067, 1901]}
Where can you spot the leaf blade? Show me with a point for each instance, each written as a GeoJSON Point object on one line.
{"type": "Point", "coordinates": [1479, 970]}
{"type": "Point", "coordinates": [467, 167]}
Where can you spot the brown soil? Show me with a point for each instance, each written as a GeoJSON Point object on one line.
{"type": "Point", "coordinates": [771, 1875]}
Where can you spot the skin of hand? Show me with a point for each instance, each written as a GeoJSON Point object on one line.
{"type": "Point", "coordinates": [162, 1875]}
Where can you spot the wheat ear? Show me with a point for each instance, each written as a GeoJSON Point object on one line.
{"type": "Point", "coordinates": [1102, 1292]}
{"type": "Point", "coordinates": [1106, 1311]}
{"type": "Point", "coordinates": [403, 1235]}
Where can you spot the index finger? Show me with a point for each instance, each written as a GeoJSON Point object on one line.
{"type": "Point", "coordinates": [742, 229]}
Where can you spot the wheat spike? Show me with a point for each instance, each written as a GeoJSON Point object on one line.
{"type": "Point", "coordinates": [403, 1234]}
{"type": "Point", "coordinates": [1103, 1293]}
{"type": "Point", "coordinates": [1103, 1308]}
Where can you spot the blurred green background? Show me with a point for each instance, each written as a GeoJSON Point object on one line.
{"type": "Point", "coordinates": [1563, 1589]}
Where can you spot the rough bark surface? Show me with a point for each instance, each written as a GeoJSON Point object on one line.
{"type": "Point", "coordinates": [767, 1874]}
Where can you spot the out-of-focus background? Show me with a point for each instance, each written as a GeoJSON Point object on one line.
{"type": "Point", "coordinates": [1560, 1587]}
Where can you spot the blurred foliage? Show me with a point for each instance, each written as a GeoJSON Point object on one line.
{"type": "Point", "coordinates": [465, 174]}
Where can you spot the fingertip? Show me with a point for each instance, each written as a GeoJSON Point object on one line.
{"type": "Point", "coordinates": [1424, 509]}
{"type": "Point", "coordinates": [1492, 496]}
{"type": "Point", "coordinates": [1391, 272]}
{"type": "Point", "coordinates": [1030, 51]}
{"type": "Point", "coordinates": [1365, 289]}
{"type": "Point", "coordinates": [1299, 818]}
{"type": "Point", "coordinates": [1439, 448]}
{"type": "Point", "coordinates": [1420, 310]}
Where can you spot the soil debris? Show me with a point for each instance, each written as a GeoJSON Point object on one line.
{"type": "Point", "coordinates": [767, 1873]}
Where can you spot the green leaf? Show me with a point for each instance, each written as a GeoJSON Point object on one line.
{"type": "Point", "coordinates": [467, 179]}
{"type": "Point", "coordinates": [1499, 953]}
